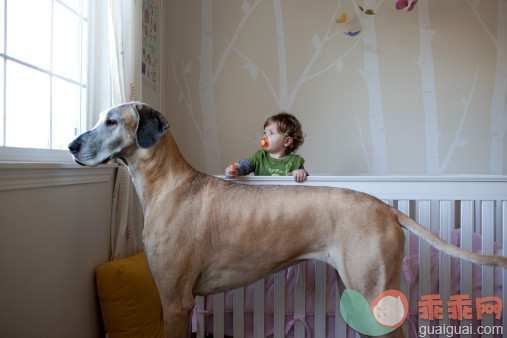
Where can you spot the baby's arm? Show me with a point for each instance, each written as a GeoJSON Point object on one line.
{"type": "Point", "coordinates": [299, 174]}
{"type": "Point", "coordinates": [303, 168]}
{"type": "Point", "coordinates": [243, 168]}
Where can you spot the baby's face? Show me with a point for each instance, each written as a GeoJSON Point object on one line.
{"type": "Point", "coordinates": [277, 141]}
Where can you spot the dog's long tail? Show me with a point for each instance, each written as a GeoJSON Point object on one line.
{"type": "Point", "coordinates": [450, 249]}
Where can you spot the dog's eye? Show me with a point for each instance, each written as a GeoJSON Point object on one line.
{"type": "Point", "coordinates": [111, 122]}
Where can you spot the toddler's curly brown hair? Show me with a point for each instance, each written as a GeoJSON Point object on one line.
{"type": "Point", "coordinates": [288, 125]}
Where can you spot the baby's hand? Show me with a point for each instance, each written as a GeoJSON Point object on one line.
{"type": "Point", "coordinates": [231, 173]}
{"type": "Point", "coordinates": [299, 175]}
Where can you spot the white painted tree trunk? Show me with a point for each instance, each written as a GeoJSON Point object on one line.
{"type": "Point", "coordinates": [282, 57]}
{"type": "Point", "coordinates": [498, 107]}
{"type": "Point", "coordinates": [371, 76]}
{"type": "Point", "coordinates": [208, 113]}
{"type": "Point", "coordinates": [426, 66]}
{"type": "Point", "coordinates": [284, 99]}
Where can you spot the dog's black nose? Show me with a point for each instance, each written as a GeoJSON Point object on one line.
{"type": "Point", "coordinates": [74, 146]}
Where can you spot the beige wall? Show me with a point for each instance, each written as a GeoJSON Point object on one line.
{"type": "Point", "coordinates": [54, 232]}
{"type": "Point", "coordinates": [217, 95]}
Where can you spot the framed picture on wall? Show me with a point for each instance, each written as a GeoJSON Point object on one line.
{"type": "Point", "coordinates": [150, 62]}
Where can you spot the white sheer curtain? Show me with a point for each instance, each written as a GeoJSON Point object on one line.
{"type": "Point", "coordinates": [125, 46]}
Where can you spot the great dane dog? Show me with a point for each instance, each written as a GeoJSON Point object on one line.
{"type": "Point", "coordinates": [204, 235]}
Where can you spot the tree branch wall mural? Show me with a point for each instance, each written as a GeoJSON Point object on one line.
{"type": "Point", "coordinates": [336, 65]}
{"type": "Point", "coordinates": [498, 110]}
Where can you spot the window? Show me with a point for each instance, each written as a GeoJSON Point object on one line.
{"type": "Point", "coordinates": [43, 72]}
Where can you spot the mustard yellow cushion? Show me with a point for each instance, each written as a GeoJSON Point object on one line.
{"type": "Point", "coordinates": [129, 298]}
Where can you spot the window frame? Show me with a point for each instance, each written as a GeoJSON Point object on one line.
{"type": "Point", "coordinates": [38, 155]}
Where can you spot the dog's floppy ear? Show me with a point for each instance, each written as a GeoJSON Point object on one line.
{"type": "Point", "coordinates": [151, 125]}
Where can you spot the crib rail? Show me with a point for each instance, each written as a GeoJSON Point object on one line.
{"type": "Point", "coordinates": [475, 204]}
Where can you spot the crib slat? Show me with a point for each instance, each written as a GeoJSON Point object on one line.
{"type": "Point", "coordinates": [498, 221]}
{"type": "Point", "coordinates": [340, 327]}
{"type": "Point", "coordinates": [488, 222]}
{"type": "Point", "coordinates": [389, 202]}
{"type": "Point", "coordinates": [199, 305]}
{"type": "Point", "coordinates": [218, 315]}
{"type": "Point", "coordinates": [320, 299]}
{"type": "Point", "coordinates": [435, 215]}
{"type": "Point", "coordinates": [259, 309]}
{"type": "Point", "coordinates": [467, 224]}
{"type": "Point", "coordinates": [238, 312]}
{"type": "Point", "coordinates": [299, 300]}
{"type": "Point", "coordinates": [424, 255]}
{"type": "Point", "coordinates": [446, 224]}
{"type": "Point", "coordinates": [504, 246]}
{"type": "Point", "coordinates": [404, 207]}
{"type": "Point", "coordinates": [279, 305]}
{"type": "Point", "coordinates": [477, 217]}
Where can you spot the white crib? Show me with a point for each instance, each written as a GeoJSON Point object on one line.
{"type": "Point", "coordinates": [475, 204]}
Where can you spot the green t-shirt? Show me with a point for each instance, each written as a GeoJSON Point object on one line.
{"type": "Point", "coordinates": [262, 164]}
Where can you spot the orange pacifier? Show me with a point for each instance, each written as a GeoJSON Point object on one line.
{"type": "Point", "coordinates": [264, 142]}
{"type": "Point", "coordinates": [233, 167]}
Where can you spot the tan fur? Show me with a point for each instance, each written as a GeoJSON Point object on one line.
{"type": "Point", "coordinates": [205, 235]}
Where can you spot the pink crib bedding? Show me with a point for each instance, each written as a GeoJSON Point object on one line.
{"type": "Point", "coordinates": [410, 274]}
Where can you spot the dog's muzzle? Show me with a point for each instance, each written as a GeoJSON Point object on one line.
{"type": "Point", "coordinates": [74, 146]}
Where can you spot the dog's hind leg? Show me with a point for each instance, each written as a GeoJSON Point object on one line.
{"type": "Point", "coordinates": [372, 267]}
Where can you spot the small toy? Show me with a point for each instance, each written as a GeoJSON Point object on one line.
{"type": "Point", "coordinates": [264, 142]}
{"type": "Point", "coordinates": [344, 19]}
{"type": "Point", "coordinates": [233, 167]}
{"type": "Point", "coordinates": [352, 27]}
{"type": "Point", "coordinates": [402, 4]}
{"type": "Point", "coordinates": [349, 33]}
{"type": "Point", "coordinates": [367, 11]}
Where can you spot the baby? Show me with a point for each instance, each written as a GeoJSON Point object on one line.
{"type": "Point", "coordinates": [282, 137]}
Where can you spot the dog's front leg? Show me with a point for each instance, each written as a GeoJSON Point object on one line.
{"type": "Point", "coordinates": [176, 320]}
{"type": "Point", "coordinates": [177, 306]}
{"type": "Point", "coordinates": [174, 284]}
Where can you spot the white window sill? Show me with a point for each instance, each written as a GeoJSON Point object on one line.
{"type": "Point", "coordinates": [13, 154]}
{"type": "Point", "coordinates": [29, 175]}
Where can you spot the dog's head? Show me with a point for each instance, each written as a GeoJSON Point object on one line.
{"type": "Point", "coordinates": [121, 128]}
